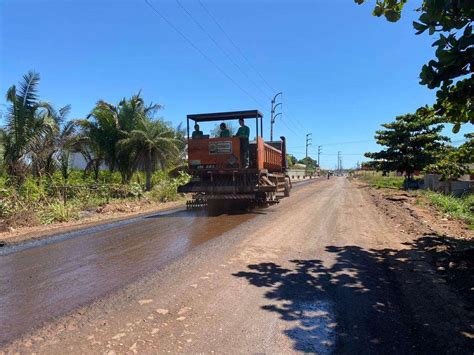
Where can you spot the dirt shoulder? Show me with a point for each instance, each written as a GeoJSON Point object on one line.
{"type": "Point", "coordinates": [109, 213]}
{"type": "Point", "coordinates": [449, 243]}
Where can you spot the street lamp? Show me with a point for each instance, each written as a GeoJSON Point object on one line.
{"type": "Point", "coordinates": [272, 114]}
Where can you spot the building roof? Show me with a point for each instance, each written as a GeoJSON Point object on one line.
{"type": "Point", "coordinates": [224, 116]}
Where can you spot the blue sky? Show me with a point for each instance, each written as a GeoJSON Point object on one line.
{"type": "Point", "coordinates": [342, 71]}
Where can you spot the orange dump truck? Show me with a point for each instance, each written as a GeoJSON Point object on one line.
{"type": "Point", "coordinates": [235, 170]}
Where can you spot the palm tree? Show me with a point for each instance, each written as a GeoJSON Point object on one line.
{"type": "Point", "coordinates": [152, 143]}
{"type": "Point", "coordinates": [53, 148]}
{"type": "Point", "coordinates": [107, 124]}
{"type": "Point", "coordinates": [66, 141]}
{"type": "Point", "coordinates": [87, 144]}
{"type": "Point", "coordinates": [26, 122]}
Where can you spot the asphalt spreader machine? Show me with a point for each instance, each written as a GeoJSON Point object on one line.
{"type": "Point", "coordinates": [235, 171]}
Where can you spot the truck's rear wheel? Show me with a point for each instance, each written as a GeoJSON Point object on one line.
{"type": "Point", "coordinates": [287, 188]}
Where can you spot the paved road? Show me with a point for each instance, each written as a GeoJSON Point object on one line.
{"type": "Point", "coordinates": [322, 272]}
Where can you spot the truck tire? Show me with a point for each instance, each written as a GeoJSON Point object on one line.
{"type": "Point", "coordinates": [287, 189]}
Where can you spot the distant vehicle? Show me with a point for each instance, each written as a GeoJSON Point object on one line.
{"type": "Point", "coordinates": [218, 169]}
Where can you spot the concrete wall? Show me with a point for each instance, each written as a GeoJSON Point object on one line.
{"type": "Point", "coordinates": [77, 161]}
{"type": "Point", "coordinates": [297, 174]}
{"type": "Point", "coordinates": [456, 188]}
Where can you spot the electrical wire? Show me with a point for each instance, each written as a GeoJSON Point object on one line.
{"type": "Point", "coordinates": [348, 142]}
{"type": "Point", "coordinates": [229, 57]}
{"type": "Point", "coordinates": [235, 45]}
{"type": "Point", "coordinates": [210, 60]}
{"type": "Point", "coordinates": [248, 62]}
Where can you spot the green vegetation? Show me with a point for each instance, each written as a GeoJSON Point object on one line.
{"type": "Point", "coordinates": [310, 163]}
{"type": "Point", "coordinates": [37, 183]}
{"type": "Point", "coordinates": [451, 72]}
{"type": "Point", "coordinates": [412, 142]}
{"type": "Point", "coordinates": [453, 162]}
{"type": "Point", "coordinates": [51, 200]}
{"type": "Point", "coordinates": [461, 208]}
{"type": "Point", "coordinates": [291, 159]}
{"type": "Point", "coordinates": [378, 181]}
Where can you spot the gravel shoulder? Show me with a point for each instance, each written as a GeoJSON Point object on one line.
{"type": "Point", "coordinates": [334, 268]}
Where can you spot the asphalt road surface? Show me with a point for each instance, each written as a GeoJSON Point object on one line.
{"type": "Point", "coordinates": [324, 271]}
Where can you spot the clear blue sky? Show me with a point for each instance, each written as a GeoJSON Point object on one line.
{"type": "Point", "coordinates": [343, 72]}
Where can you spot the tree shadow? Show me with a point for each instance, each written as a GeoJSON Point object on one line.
{"type": "Point", "coordinates": [367, 301]}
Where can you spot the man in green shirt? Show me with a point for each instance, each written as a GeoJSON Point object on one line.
{"type": "Point", "coordinates": [197, 133]}
{"type": "Point", "coordinates": [243, 133]}
{"type": "Point", "coordinates": [224, 131]}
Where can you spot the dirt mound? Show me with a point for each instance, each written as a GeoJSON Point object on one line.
{"type": "Point", "coordinates": [24, 218]}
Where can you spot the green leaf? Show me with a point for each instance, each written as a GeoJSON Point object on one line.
{"type": "Point", "coordinates": [456, 127]}
{"type": "Point", "coordinates": [419, 27]}
{"type": "Point", "coordinates": [392, 15]}
{"type": "Point", "coordinates": [378, 11]}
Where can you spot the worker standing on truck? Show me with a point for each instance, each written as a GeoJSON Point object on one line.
{"type": "Point", "coordinates": [243, 133]}
{"type": "Point", "coordinates": [197, 133]}
{"type": "Point", "coordinates": [224, 131]}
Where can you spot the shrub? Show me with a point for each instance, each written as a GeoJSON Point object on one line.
{"type": "Point", "coordinates": [32, 190]}
{"type": "Point", "coordinates": [461, 208]}
{"type": "Point", "coordinates": [166, 189]}
{"type": "Point", "coordinates": [57, 211]}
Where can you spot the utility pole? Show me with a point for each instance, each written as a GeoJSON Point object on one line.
{"type": "Point", "coordinates": [308, 142]}
{"type": "Point", "coordinates": [272, 114]}
{"type": "Point", "coordinates": [319, 154]}
{"type": "Point", "coordinates": [339, 161]}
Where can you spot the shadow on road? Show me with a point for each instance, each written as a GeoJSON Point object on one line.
{"type": "Point", "coordinates": [372, 301]}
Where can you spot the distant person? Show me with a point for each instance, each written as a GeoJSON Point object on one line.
{"type": "Point", "coordinates": [197, 133]}
{"type": "Point", "coordinates": [243, 133]}
{"type": "Point", "coordinates": [224, 131]}
{"type": "Point", "coordinates": [329, 174]}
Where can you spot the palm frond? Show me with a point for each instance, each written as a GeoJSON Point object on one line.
{"type": "Point", "coordinates": [28, 93]}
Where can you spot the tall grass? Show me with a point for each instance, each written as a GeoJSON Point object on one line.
{"type": "Point", "coordinates": [378, 181]}
{"type": "Point", "coordinates": [461, 208]}
{"type": "Point", "coordinates": [52, 200]}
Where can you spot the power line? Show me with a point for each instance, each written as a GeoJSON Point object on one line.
{"type": "Point", "coordinates": [247, 60]}
{"type": "Point", "coordinates": [291, 129]}
{"type": "Point", "coordinates": [348, 142]}
{"type": "Point", "coordinates": [336, 143]}
{"type": "Point", "coordinates": [229, 57]}
{"type": "Point", "coordinates": [235, 45]}
{"type": "Point", "coordinates": [294, 120]}
{"type": "Point", "coordinates": [210, 60]}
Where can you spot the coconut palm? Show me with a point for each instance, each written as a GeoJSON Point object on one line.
{"type": "Point", "coordinates": [153, 143]}
{"type": "Point", "coordinates": [87, 145]}
{"type": "Point", "coordinates": [26, 122]}
{"type": "Point", "coordinates": [66, 141]}
{"type": "Point", "coordinates": [52, 149]}
{"type": "Point", "coordinates": [107, 124]}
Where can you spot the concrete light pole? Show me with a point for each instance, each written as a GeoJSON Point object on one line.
{"type": "Point", "coordinates": [308, 142]}
{"type": "Point", "coordinates": [272, 114]}
{"type": "Point", "coordinates": [319, 154]}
